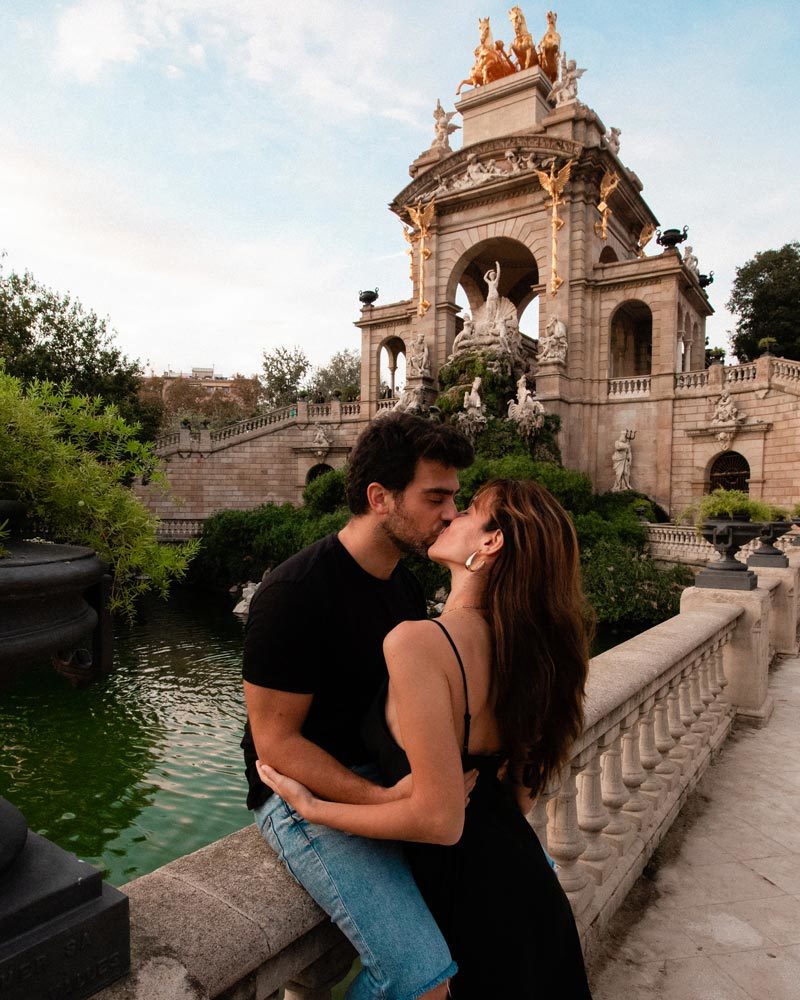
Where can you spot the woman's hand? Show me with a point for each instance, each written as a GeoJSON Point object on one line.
{"type": "Point", "coordinates": [291, 791]}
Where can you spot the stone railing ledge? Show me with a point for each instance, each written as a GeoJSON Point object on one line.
{"type": "Point", "coordinates": [226, 920]}
{"type": "Point", "coordinates": [618, 676]}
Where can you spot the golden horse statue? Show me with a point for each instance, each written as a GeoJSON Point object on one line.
{"type": "Point", "coordinates": [492, 62]}
{"type": "Point", "coordinates": [523, 46]}
{"type": "Point", "coordinates": [550, 47]}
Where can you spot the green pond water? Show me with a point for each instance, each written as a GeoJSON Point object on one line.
{"type": "Point", "coordinates": [143, 766]}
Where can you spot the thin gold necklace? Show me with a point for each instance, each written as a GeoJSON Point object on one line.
{"type": "Point", "coordinates": [464, 607]}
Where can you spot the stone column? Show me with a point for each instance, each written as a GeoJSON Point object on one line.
{"type": "Point", "coordinates": [746, 657]}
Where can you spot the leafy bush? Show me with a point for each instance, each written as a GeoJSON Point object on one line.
{"type": "Point", "coordinates": [71, 459]}
{"type": "Point", "coordinates": [730, 504]}
{"type": "Point", "coordinates": [625, 586]}
{"type": "Point", "coordinates": [325, 494]}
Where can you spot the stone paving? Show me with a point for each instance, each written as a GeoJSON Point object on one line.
{"type": "Point", "coordinates": [716, 914]}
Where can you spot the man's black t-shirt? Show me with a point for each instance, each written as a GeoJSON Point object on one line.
{"type": "Point", "coordinates": [316, 626]}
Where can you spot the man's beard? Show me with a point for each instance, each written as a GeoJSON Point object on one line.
{"type": "Point", "coordinates": [400, 530]}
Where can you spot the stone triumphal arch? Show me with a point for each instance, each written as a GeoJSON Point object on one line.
{"type": "Point", "coordinates": [537, 208]}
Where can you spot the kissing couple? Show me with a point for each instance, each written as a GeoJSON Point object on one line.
{"type": "Point", "coordinates": [391, 759]}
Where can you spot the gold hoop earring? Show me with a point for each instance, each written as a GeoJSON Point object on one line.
{"type": "Point", "coordinates": [470, 563]}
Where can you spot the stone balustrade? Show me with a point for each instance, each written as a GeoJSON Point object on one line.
{"type": "Point", "coordinates": [300, 412]}
{"type": "Point", "coordinates": [228, 921]}
{"type": "Point", "coordinates": [635, 385]}
{"type": "Point", "coordinates": [786, 371]}
{"type": "Point", "coordinates": [736, 374]}
{"type": "Point", "coordinates": [680, 543]}
{"type": "Point", "coordinates": [691, 380]}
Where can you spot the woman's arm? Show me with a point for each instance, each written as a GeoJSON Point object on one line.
{"type": "Point", "coordinates": [434, 811]}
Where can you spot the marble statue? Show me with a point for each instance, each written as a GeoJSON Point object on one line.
{"type": "Point", "coordinates": [725, 412]}
{"type": "Point", "coordinates": [419, 359]}
{"type": "Point", "coordinates": [565, 89]}
{"type": "Point", "coordinates": [612, 140]}
{"type": "Point", "coordinates": [321, 443]}
{"type": "Point", "coordinates": [492, 62]}
{"type": "Point", "coordinates": [690, 262]}
{"type": "Point", "coordinates": [473, 420]}
{"type": "Point", "coordinates": [526, 411]}
{"type": "Point", "coordinates": [464, 339]}
{"type": "Point", "coordinates": [523, 46]}
{"type": "Point", "coordinates": [492, 279]}
{"type": "Point", "coordinates": [443, 128]}
{"type": "Point", "coordinates": [621, 460]}
{"type": "Point", "coordinates": [549, 48]}
{"type": "Point", "coordinates": [553, 346]}
{"type": "Point", "coordinates": [410, 401]}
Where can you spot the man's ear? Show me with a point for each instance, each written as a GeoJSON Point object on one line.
{"type": "Point", "coordinates": [378, 498]}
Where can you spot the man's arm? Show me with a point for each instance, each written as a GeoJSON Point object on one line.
{"type": "Point", "coordinates": [276, 721]}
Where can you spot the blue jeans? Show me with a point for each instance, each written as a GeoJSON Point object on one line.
{"type": "Point", "coordinates": [367, 889]}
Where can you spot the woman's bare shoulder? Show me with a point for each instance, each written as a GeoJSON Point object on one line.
{"type": "Point", "coordinates": [413, 642]}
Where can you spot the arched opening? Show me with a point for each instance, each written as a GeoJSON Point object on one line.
{"type": "Point", "coordinates": [519, 272]}
{"type": "Point", "coordinates": [608, 255]}
{"type": "Point", "coordinates": [391, 367]}
{"type": "Point", "coordinates": [631, 346]}
{"type": "Point", "coordinates": [730, 471]}
{"type": "Point", "coordinates": [316, 471]}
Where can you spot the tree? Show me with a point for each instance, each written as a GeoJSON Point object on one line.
{"type": "Point", "coordinates": [342, 374]}
{"type": "Point", "coordinates": [284, 369]}
{"type": "Point", "coordinates": [71, 460]}
{"type": "Point", "coordinates": [47, 336]}
{"type": "Point", "coordinates": [766, 299]}
{"type": "Point", "coordinates": [714, 354]}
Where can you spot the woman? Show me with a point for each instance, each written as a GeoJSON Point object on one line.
{"type": "Point", "coordinates": [495, 686]}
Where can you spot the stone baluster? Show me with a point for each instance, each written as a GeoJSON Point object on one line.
{"type": "Point", "coordinates": [318, 980]}
{"type": "Point", "coordinates": [649, 756]}
{"type": "Point", "coordinates": [706, 695]}
{"type": "Point", "coordinates": [564, 840]}
{"type": "Point", "coordinates": [637, 807]}
{"type": "Point", "coordinates": [666, 769]}
{"type": "Point", "coordinates": [689, 739]}
{"type": "Point", "coordinates": [722, 704]}
{"type": "Point", "coordinates": [679, 753]}
{"type": "Point", "coordinates": [593, 818]}
{"type": "Point", "coordinates": [698, 708]}
{"type": "Point", "coordinates": [537, 817]}
{"type": "Point", "coordinates": [619, 832]}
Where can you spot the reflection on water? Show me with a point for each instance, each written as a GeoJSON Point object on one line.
{"type": "Point", "coordinates": [143, 766]}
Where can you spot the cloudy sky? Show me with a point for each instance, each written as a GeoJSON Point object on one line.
{"type": "Point", "coordinates": [213, 174]}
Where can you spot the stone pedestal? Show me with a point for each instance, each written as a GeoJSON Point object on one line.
{"type": "Point", "coordinates": [745, 658]}
{"type": "Point", "coordinates": [506, 107]}
{"type": "Point", "coordinates": [63, 931]}
{"type": "Point", "coordinates": [785, 605]}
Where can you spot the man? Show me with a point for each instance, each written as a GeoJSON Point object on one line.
{"type": "Point", "coordinates": [313, 665]}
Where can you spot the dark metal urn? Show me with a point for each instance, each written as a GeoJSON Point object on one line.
{"type": "Point", "coordinates": [796, 536]}
{"type": "Point", "coordinates": [368, 297]}
{"type": "Point", "coordinates": [670, 238]}
{"type": "Point", "coordinates": [706, 279]}
{"type": "Point", "coordinates": [728, 536]}
{"type": "Point", "coordinates": [767, 554]}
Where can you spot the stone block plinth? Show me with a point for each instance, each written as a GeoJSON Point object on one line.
{"type": "Point", "coordinates": [785, 605]}
{"type": "Point", "coordinates": [746, 657]}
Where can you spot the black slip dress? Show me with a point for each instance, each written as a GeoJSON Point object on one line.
{"type": "Point", "coordinates": [498, 902]}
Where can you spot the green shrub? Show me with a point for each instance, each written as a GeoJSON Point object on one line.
{"type": "Point", "coordinates": [71, 459]}
{"type": "Point", "coordinates": [325, 494]}
{"type": "Point", "coordinates": [624, 586]}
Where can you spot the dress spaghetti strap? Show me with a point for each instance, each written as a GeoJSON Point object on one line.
{"type": "Point", "coordinates": [467, 716]}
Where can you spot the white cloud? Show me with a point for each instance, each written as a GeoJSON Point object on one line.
{"type": "Point", "coordinates": [77, 231]}
{"type": "Point", "coordinates": [173, 72]}
{"type": "Point", "coordinates": [92, 34]}
{"type": "Point", "coordinates": [310, 50]}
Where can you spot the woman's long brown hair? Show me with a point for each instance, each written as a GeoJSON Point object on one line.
{"type": "Point", "coordinates": [538, 618]}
